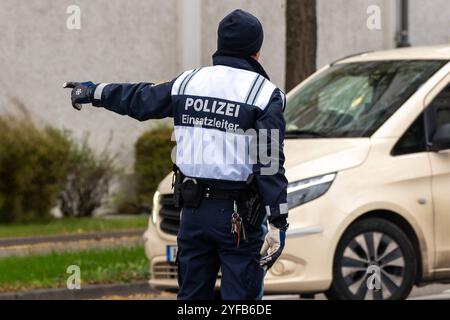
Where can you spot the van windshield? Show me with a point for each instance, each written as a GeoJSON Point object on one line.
{"type": "Point", "coordinates": [354, 99]}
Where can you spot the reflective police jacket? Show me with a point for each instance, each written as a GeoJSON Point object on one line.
{"type": "Point", "coordinates": [218, 111]}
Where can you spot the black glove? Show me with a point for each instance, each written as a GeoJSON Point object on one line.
{"type": "Point", "coordinates": [82, 93]}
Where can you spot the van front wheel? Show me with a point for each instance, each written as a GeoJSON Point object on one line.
{"type": "Point", "coordinates": [374, 260]}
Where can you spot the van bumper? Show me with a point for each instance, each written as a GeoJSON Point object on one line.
{"type": "Point", "coordinates": [304, 266]}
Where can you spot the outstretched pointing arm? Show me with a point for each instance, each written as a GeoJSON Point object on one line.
{"type": "Point", "coordinates": [141, 101]}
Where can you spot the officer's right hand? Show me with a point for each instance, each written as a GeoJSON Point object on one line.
{"type": "Point", "coordinates": [82, 93]}
{"type": "Point", "coordinates": [273, 246]}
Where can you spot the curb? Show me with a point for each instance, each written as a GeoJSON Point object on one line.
{"type": "Point", "coordinates": [87, 292]}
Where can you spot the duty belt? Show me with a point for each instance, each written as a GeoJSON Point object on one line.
{"type": "Point", "coordinates": [221, 194]}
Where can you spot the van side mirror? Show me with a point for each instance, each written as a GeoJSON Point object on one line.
{"type": "Point", "coordinates": [441, 139]}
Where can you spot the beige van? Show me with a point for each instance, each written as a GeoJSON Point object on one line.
{"type": "Point", "coordinates": [368, 161]}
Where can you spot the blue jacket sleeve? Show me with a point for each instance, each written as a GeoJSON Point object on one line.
{"type": "Point", "coordinates": [269, 170]}
{"type": "Point", "coordinates": [141, 101]}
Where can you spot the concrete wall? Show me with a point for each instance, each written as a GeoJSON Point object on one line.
{"type": "Point", "coordinates": [342, 26]}
{"type": "Point", "coordinates": [429, 22]}
{"type": "Point", "coordinates": [135, 40]}
{"type": "Point", "coordinates": [119, 41]}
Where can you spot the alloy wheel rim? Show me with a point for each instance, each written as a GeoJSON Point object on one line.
{"type": "Point", "coordinates": [373, 266]}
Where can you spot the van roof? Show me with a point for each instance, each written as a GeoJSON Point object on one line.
{"type": "Point", "coordinates": [441, 52]}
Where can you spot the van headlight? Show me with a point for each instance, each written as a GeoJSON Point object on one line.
{"type": "Point", "coordinates": [155, 207]}
{"type": "Point", "coordinates": [303, 191]}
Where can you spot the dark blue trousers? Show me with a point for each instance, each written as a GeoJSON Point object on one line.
{"type": "Point", "coordinates": [206, 244]}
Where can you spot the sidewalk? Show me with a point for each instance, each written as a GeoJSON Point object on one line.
{"type": "Point", "coordinates": [72, 242]}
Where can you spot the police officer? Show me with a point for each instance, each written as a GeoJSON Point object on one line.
{"type": "Point", "coordinates": [222, 226]}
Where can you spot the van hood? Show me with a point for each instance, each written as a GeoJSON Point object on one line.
{"type": "Point", "coordinates": [306, 158]}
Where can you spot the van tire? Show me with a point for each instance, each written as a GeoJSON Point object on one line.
{"type": "Point", "coordinates": [356, 253]}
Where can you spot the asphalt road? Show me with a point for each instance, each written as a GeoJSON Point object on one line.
{"type": "Point", "coordinates": [141, 291]}
{"type": "Point", "coordinates": [430, 292]}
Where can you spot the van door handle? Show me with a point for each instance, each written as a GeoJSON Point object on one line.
{"type": "Point", "coordinates": [422, 201]}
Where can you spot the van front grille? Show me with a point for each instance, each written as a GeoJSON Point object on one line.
{"type": "Point", "coordinates": [170, 216]}
{"type": "Point", "coordinates": [164, 270]}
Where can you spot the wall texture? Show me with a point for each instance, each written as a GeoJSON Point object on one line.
{"type": "Point", "coordinates": [134, 40]}
{"type": "Point", "coordinates": [429, 22]}
{"type": "Point", "coordinates": [119, 41]}
{"type": "Point", "coordinates": [342, 28]}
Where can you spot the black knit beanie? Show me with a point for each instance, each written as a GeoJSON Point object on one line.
{"type": "Point", "coordinates": [240, 33]}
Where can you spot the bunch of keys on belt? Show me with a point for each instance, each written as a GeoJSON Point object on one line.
{"type": "Point", "coordinates": [237, 226]}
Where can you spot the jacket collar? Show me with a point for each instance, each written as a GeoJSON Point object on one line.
{"type": "Point", "coordinates": [240, 62]}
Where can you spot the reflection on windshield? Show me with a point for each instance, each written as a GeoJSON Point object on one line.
{"type": "Point", "coordinates": [354, 99]}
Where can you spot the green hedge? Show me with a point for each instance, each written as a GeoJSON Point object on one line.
{"type": "Point", "coordinates": [152, 161]}
{"type": "Point", "coordinates": [43, 167]}
{"type": "Point", "coordinates": [33, 162]}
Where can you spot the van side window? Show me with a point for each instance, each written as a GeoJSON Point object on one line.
{"type": "Point", "coordinates": [441, 107]}
{"type": "Point", "coordinates": [413, 141]}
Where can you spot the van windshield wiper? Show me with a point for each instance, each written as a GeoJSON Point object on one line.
{"type": "Point", "coordinates": [301, 133]}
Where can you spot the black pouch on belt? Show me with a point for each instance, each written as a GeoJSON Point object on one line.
{"type": "Point", "coordinates": [177, 181]}
{"type": "Point", "coordinates": [191, 193]}
{"type": "Point", "coordinates": [256, 212]}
